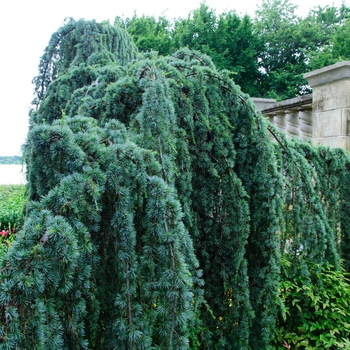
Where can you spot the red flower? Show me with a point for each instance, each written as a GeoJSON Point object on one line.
{"type": "Point", "coordinates": [4, 233]}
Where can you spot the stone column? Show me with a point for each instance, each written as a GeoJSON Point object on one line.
{"type": "Point", "coordinates": [331, 105]}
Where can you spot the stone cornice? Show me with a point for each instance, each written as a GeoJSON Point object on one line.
{"type": "Point", "coordinates": [337, 71]}
{"type": "Point", "coordinates": [292, 103]}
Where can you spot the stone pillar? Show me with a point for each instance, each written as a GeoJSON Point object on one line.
{"type": "Point", "coordinates": [331, 105]}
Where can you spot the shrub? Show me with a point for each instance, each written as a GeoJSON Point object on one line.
{"type": "Point", "coordinates": [315, 309]}
{"type": "Point", "coordinates": [11, 209]}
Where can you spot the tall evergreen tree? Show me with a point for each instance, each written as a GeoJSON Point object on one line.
{"type": "Point", "coordinates": [158, 204]}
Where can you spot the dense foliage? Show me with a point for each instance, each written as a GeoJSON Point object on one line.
{"type": "Point", "coordinates": [315, 310]}
{"type": "Point", "coordinates": [161, 203]}
{"type": "Point", "coordinates": [293, 44]}
{"type": "Point", "coordinates": [266, 55]}
{"type": "Point", "coordinates": [227, 38]}
{"type": "Point", "coordinates": [12, 201]}
{"type": "Point", "coordinates": [12, 198]}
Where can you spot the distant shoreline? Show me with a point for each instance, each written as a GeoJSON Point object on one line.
{"type": "Point", "coordinates": [10, 160]}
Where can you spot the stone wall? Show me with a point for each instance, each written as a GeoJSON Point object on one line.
{"type": "Point", "coordinates": [323, 116]}
{"type": "Point", "coordinates": [293, 116]}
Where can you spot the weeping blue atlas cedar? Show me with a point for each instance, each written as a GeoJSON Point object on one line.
{"type": "Point", "coordinates": [159, 204]}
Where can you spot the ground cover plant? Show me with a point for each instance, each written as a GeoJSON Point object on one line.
{"type": "Point", "coordinates": [315, 311]}
{"type": "Point", "coordinates": [160, 204]}
{"type": "Point", "coordinates": [12, 198]}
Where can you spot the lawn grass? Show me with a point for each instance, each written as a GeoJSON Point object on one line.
{"type": "Point", "coordinates": [12, 198]}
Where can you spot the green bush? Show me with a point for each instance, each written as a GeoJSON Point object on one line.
{"type": "Point", "coordinates": [315, 308]}
{"type": "Point", "coordinates": [11, 209]}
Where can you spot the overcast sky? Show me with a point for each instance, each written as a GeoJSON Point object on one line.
{"type": "Point", "coordinates": [26, 27]}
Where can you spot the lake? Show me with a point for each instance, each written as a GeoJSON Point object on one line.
{"type": "Point", "coordinates": [12, 174]}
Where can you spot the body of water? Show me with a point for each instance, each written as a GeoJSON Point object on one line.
{"type": "Point", "coordinates": [12, 174]}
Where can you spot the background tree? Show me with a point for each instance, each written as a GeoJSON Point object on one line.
{"type": "Point", "coordinates": [335, 29]}
{"type": "Point", "coordinates": [294, 45]}
{"type": "Point", "coordinates": [283, 60]}
{"type": "Point", "coordinates": [149, 33]}
{"type": "Point", "coordinates": [341, 44]}
{"type": "Point", "coordinates": [266, 55]}
{"type": "Point", "coordinates": [228, 39]}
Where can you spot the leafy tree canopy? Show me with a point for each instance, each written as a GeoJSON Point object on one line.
{"type": "Point", "coordinates": [335, 28]}
{"type": "Point", "coordinates": [266, 55]}
{"type": "Point", "coordinates": [149, 33]}
{"type": "Point", "coordinates": [227, 38]}
{"type": "Point", "coordinates": [293, 44]}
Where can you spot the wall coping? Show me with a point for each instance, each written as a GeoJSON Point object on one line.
{"type": "Point", "coordinates": [292, 103]}
{"type": "Point", "coordinates": [261, 99]}
{"type": "Point", "coordinates": [337, 71]}
{"type": "Point", "coordinates": [262, 103]}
